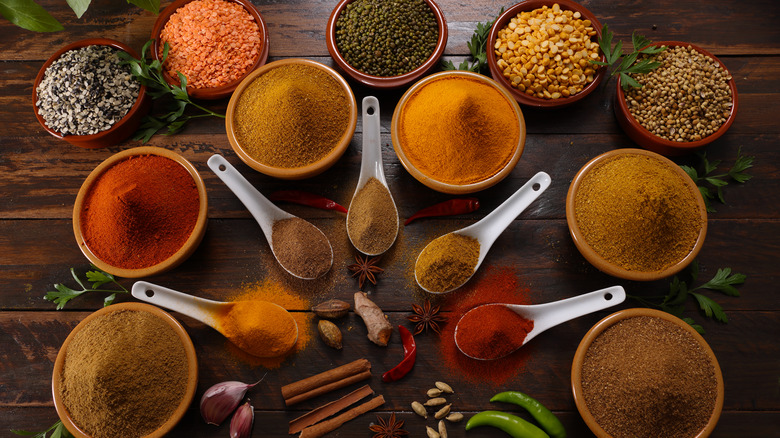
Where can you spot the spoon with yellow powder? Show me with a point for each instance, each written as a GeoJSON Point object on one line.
{"type": "Point", "coordinates": [260, 328]}
{"type": "Point", "coordinates": [372, 220]}
{"type": "Point", "coordinates": [449, 261]}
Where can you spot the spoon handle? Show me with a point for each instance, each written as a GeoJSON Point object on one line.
{"type": "Point", "coordinates": [558, 312]}
{"type": "Point", "coordinates": [198, 308]}
{"type": "Point", "coordinates": [372, 145]}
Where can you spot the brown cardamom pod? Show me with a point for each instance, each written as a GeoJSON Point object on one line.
{"type": "Point", "coordinates": [331, 309]}
{"type": "Point", "coordinates": [330, 333]}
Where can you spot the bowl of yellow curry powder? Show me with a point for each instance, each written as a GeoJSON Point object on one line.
{"type": "Point", "coordinates": [291, 119]}
{"type": "Point", "coordinates": [458, 132]}
{"type": "Point", "coordinates": [635, 214]}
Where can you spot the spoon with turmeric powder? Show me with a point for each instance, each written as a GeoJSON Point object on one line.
{"type": "Point", "coordinates": [449, 261]}
{"type": "Point", "coordinates": [260, 328]}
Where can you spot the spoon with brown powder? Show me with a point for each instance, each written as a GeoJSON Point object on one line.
{"type": "Point", "coordinates": [301, 249]}
{"type": "Point", "coordinates": [372, 219]}
{"type": "Point", "coordinates": [260, 328]}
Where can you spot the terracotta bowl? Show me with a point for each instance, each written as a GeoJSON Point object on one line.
{"type": "Point", "coordinates": [296, 172]}
{"type": "Point", "coordinates": [648, 140]}
{"type": "Point", "coordinates": [385, 81]}
{"type": "Point", "coordinates": [443, 186]}
{"type": "Point", "coordinates": [122, 129]}
{"type": "Point", "coordinates": [523, 98]}
{"type": "Point", "coordinates": [179, 256]}
{"type": "Point", "coordinates": [611, 268]}
{"type": "Point", "coordinates": [214, 92]}
{"type": "Point", "coordinates": [596, 330]}
{"type": "Point", "coordinates": [189, 350]}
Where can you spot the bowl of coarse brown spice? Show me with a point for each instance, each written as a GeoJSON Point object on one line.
{"type": "Point", "coordinates": [635, 214]}
{"type": "Point", "coordinates": [686, 103]}
{"type": "Point", "coordinates": [102, 374]}
{"type": "Point", "coordinates": [641, 373]}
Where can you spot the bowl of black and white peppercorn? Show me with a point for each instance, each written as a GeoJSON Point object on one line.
{"type": "Point", "coordinates": [689, 101]}
{"type": "Point", "coordinates": [85, 95]}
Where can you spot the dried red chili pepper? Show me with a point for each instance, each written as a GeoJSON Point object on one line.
{"type": "Point", "coordinates": [447, 208]}
{"type": "Point", "coordinates": [410, 354]}
{"type": "Point", "coordinates": [306, 198]}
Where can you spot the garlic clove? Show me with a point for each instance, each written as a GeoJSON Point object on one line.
{"type": "Point", "coordinates": [241, 424]}
{"type": "Point", "coordinates": [221, 400]}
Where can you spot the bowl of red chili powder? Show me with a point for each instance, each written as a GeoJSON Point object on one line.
{"type": "Point", "coordinates": [140, 212]}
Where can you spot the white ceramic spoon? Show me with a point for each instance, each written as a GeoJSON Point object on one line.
{"type": "Point", "coordinates": [371, 163]}
{"type": "Point", "coordinates": [201, 309]}
{"type": "Point", "coordinates": [549, 315]}
{"type": "Point", "coordinates": [263, 210]}
{"type": "Point", "coordinates": [487, 230]}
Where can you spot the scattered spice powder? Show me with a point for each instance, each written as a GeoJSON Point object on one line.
{"type": "Point", "coordinates": [647, 377]}
{"type": "Point", "coordinates": [447, 262]}
{"type": "Point", "coordinates": [301, 247]}
{"type": "Point", "coordinates": [211, 42]}
{"type": "Point", "coordinates": [125, 373]}
{"type": "Point", "coordinates": [372, 222]}
{"type": "Point", "coordinates": [492, 331]}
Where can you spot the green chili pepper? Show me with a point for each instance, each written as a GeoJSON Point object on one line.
{"type": "Point", "coordinates": [511, 424]}
{"type": "Point", "coordinates": [541, 414]}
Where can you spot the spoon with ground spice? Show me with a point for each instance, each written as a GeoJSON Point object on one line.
{"type": "Point", "coordinates": [260, 328]}
{"type": "Point", "coordinates": [372, 220]}
{"type": "Point", "coordinates": [449, 261]}
{"type": "Point", "coordinates": [301, 249]}
{"type": "Point", "coordinates": [493, 331]}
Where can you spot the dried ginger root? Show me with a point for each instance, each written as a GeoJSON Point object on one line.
{"type": "Point", "coordinates": [379, 329]}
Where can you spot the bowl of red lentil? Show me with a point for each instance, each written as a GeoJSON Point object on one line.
{"type": "Point", "coordinates": [390, 62]}
{"type": "Point", "coordinates": [104, 112]}
{"type": "Point", "coordinates": [215, 44]}
{"type": "Point", "coordinates": [141, 212]}
{"type": "Point", "coordinates": [685, 104]}
{"type": "Point", "coordinates": [646, 373]}
{"type": "Point", "coordinates": [636, 215]}
{"type": "Point", "coordinates": [540, 50]}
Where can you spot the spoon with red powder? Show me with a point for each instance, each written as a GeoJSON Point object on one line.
{"type": "Point", "coordinates": [492, 331]}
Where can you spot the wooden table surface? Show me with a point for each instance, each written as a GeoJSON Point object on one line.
{"type": "Point", "coordinates": [40, 176]}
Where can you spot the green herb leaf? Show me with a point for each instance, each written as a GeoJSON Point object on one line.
{"type": "Point", "coordinates": [724, 281]}
{"type": "Point", "coordinates": [644, 66]}
{"type": "Point", "coordinates": [152, 6]}
{"type": "Point", "coordinates": [63, 294]}
{"type": "Point", "coordinates": [691, 172]}
{"type": "Point", "coordinates": [478, 46]}
{"type": "Point", "coordinates": [639, 41]}
{"type": "Point", "coordinates": [737, 172]}
{"type": "Point", "coordinates": [710, 308]}
{"type": "Point", "coordinates": [627, 81]}
{"type": "Point", "coordinates": [695, 326]}
{"type": "Point", "coordinates": [79, 6]}
{"type": "Point", "coordinates": [629, 64]}
{"type": "Point", "coordinates": [29, 15]}
{"type": "Point", "coordinates": [57, 431]}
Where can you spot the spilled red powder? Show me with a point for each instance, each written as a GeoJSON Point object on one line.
{"type": "Point", "coordinates": [491, 331]}
{"type": "Point", "coordinates": [495, 285]}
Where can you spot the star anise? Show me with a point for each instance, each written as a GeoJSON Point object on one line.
{"type": "Point", "coordinates": [426, 317]}
{"type": "Point", "coordinates": [388, 429]}
{"type": "Point", "coordinates": [365, 269]}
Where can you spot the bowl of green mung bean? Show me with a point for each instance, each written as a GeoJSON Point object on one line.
{"type": "Point", "coordinates": [408, 39]}
{"type": "Point", "coordinates": [686, 103]}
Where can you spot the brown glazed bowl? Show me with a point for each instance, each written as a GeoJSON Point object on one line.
{"type": "Point", "coordinates": [122, 129]}
{"type": "Point", "coordinates": [613, 269]}
{"type": "Point", "coordinates": [523, 98]}
{"type": "Point", "coordinates": [189, 351]}
{"type": "Point", "coordinates": [215, 92]}
{"type": "Point", "coordinates": [596, 330]}
{"type": "Point", "coordinates": [179, 256]}
{"type": "Point", "coordinates": [385, 81]}
{"type": "Point", "coordinates": [650, 141]}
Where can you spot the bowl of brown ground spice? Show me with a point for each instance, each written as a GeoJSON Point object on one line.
{"type": "Point", "coordinates": [100, 382]}
{"type": "Point", "coordinates": [291, 119]}
{"type": "Point", "coordinates": [635, 214]}
{"type": "Point", "coordinates": [643, 373]}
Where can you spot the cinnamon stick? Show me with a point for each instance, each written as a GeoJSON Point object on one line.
{"type": "Point", "coordinates": [324, 378]}
{"type": "Point", "coordinates": [326, 426]}
{"type": "Point", "coordinates": [328, 388]}
{"type": "Point", "coordinates": [325, 411]}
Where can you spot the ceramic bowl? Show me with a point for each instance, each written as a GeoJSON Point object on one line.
{"type": "Point", "coordinates": [650, 141]}
{"type": "Point", "coordinates": [296, 172]}
{"type": "Point", "coordinates": [179, 256]}
{"type": "Point", "coordinates": [609, 267]}
{"type": "Point", "coordinates": [122, 129]}
{"type": "Point", "coordinates": [523, 98]}
{"type": "Point", "coordinates": [609, 321]}
{"type": "Point", "coordinates": [385, 81]}
{"type": "Point", "coordinates": [189, 350]}
{"type": "Point", "coordinates": [214, 92]}
{"type": "Point", "coordinates": [443, 186]}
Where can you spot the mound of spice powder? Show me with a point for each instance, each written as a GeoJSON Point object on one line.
{"type": "Point", "coordinates": [140, 211]}
{"type": "Point", "coordinates": [491, 331]}
{"type": "Point", "coordinates": [301, 248]}
{"type": "Point", "coordinates": [447, 262]}
{"type": "Point", "coordinates": [646, 377]}
{"type": "Point", "coordinates": [372, 221]}
{"type": "Point", "coordinates": [211, 42]}
{"type": "Point", "coordinates": [125, 373]}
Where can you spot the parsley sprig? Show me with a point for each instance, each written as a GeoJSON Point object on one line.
{"type": "Point", "coordinates": [718, 181]}
{"type": "Point", "coordinates": [57, 431]}
{"type": "Point", "coordinates": [679, 292]}
{"type": "Point", "coordinates": [172, 116]}
{"type": "Point", "coordinates": [628, 64]}
{"type": "Point", "coordinates": [478, 48]}
{"type": "Point", "coordinates": [98, 278]}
